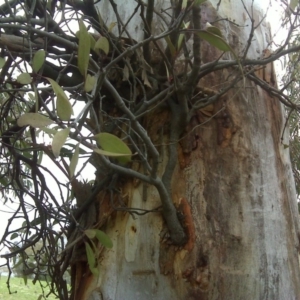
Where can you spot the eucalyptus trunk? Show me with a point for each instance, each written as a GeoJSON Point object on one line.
{"type": "Point", "coordinates": [232, 183]}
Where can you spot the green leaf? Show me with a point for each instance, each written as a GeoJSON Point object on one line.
{"type": "Point", "coordinates": [213, 30]}
{"type": "Point", "coordinates": [183, 5]}
{"type": "Point", "coordinates": [31, 96]}
{"type": "Point", "coordinates": [91, 259]}
{"type": "Point", "coordinates": [74, 146]}
{"type": "Point", "coordinates": [110, 154]}
{"type": "Point", "coordinates": [63, 105]}
{"type": "Point", "coordinates": [90, 233]}
{"type": "Point", "coordinates": [14, 235]}
{"type": "Point", "coordinates": [95, 271]}
{"type": "Point", "coordinates": [74, 161]}
{"type": "Point", "coordinates": [3, 181]}
{"type": "Point", "coordinates": [214, 36]}
{"type": "Point", "coordinates": [49, 5]}
{"type": "Point", "coordinates": [34, 119]}
{"type": "Point", "coordinates": [25, 279]}
{"type": "Point", "coordinates": [40, 157]}
{"type": "Point", "coordinates": [36, 221]}
{"type": "Point", "coordinates": [198, 2]}
{"type": "Point", "coordinates": [102, 44]}
{"type": "Point", "coordinates": [38, 60]}
{"type": "Point", "coordinates": [293, 4]}
{"type": "Point", "coordinates": [180, 40]}
{"type": "Point", "coordinates": [111, 26]}
{"type": "Point", "coordinates": [89, 83]}
{"type": "Point", "coordinates": [10, 119]}
{"type": "Point", "coordinates": [113, 146]}
{"type": "Point", "coordinates": [64, 108]}
{"type": "Point", "coordinates": [83, 49]}
{"type": "Point", "coordinates": [20, 261]}
{"type": "Point", "coordinates": [92, 41]}
{"type": "Point", "coordinates": [171, 46]}
{"type": "Point", "coordinates": [24, 78]}
{"type": "Point", "coordinates": [58, 140]}
{"type": "Point", "coordinates": [36, 96]}
{"type": "Point", "coordinates": [214, 40]}
{"type": "Point", "coordinates": [104, 239]}
{"type": "Point", "coordinates": [182, 35]}
{"type": "Point", "coordinates": [2, 62]}
{"type": "Point", "coordinates": [49, 131]}
{"type": "Point", "coordinates": [167, 71]}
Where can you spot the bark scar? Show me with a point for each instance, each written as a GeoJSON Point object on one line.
{"type": "Point", "coordinates": [188, 223]}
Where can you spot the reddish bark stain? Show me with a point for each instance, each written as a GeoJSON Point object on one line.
{"type": "Point", "coordinates": [188, 223]}
{"type": "Point", "coordinates": [83, 278]}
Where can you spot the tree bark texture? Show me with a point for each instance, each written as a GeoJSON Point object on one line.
{"type": "Point", "coordinates": [234, 186]}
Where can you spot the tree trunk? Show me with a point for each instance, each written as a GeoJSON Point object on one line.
{"type": "Point", "coordinates": [233, 184]}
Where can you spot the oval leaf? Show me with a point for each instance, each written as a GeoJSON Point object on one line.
{"type": "Point", "coordinates": [91, 259]}
{"type": "Point", "coordinates": [112, 144]}
{"type": "Point", "coordinates": [181, 36]}
{"type": "Point", "coordinates": [34, 119]}
{"type": "Point", "coordinates": [31, 96]}
{"type": "Point", "coordinates": [74, 161]}
{"type": "Point", "coordinates": [293, 4]}
{"type": "Point", "coordinates": [49, 131]}
{"type": "Point", "coordinates": [63, 105]}
{"type": "Point", "coordinates": [214, 40]}
{"type": "Point", "coordinates": [111, 154]}
{"type": "Point", "coordinates": [24, 78]}
{"type": "Point", "coordinates": [213, 30]}
{"type": "Point", "coordinates": [83, 49]}
{"type": "Point", "coordinates": [104, 239]}
{"type": "Point", "coordinates": [25, 279]}
{"type": "Point", "coordinates": [184, 4]}
{"type": "Point", "coordinates": [90, 255]}
{"type": "Point", "coordinates": [102, 44]}
{"type": "Point", "coordinates": [95, 271]}
{"type": "Point", "coordinates": [56, 88]}
{"type": "Point", "coordinates": [90, 233]}
{"type": "Point", "coordinates": [92, 41]}
{"type": "Point", "coordinates": [58, 140]}
{"type": "Point", "coordinates": [89, 83]}
{"type": "Point", "coordinates": [36, 221]}
{"type": "Point", "coordinates": [111, 26]}
{"type": "Point", "coordinates": [2, 62]}
{"type": "Point", "coordinates": [38, 60]}
{"type": "Point", "coordinates": [64, 108]}
{"type": "Point", "coordinates": [14, 235]}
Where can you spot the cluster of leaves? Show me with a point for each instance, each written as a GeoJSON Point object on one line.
{"type": "Point", "coordinates": [29, 112]}
{"type": "Point", "coordinates": [78, 98]}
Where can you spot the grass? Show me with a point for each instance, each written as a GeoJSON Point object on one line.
{"type": "Point", "coordinates": [20, 290]}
